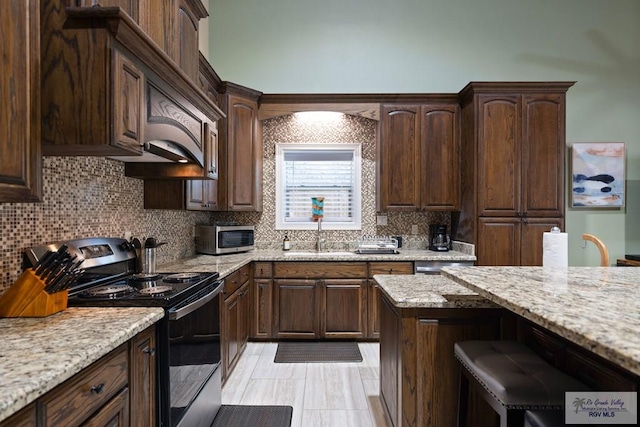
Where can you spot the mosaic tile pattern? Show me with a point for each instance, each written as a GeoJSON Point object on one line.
{"type": "Point", "coordinates": [86, 197]}
{"type": "Point", "coordinates": [345, 129]}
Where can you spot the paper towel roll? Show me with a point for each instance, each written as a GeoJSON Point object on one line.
{"type": "Point", "coordinates": [555, 249]}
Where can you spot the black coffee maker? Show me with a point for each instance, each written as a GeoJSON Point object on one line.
{"type": "Point", "coordinates": [438, 238]}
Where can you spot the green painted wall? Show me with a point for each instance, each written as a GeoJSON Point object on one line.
{"type": "Point", "coordinates": [361, 46]}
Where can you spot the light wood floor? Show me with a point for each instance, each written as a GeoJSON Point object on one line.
{"type": "Point", "coordinates": [321, 394]}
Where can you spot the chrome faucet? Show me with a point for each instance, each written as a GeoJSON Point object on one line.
{"type": "Point", "coordinates": [319, 239]}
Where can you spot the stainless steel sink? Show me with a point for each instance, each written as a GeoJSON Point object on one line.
{"type": "Point", "coordinates": [317, 254]}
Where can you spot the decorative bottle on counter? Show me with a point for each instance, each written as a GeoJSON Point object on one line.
{"type": "Point", "coordinates": [286, 244]}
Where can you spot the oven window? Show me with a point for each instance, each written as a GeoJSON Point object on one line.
{"type": "Point", "coordinates": [194, 354]}
{"type": "Point", "coordinates": [235, 239]}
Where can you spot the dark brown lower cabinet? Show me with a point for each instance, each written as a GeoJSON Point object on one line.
{"type": "Point", "coordinates": [296, 309]}
{"type": "Point", "coordinates": [262, 308]}
{"type": "Point", "coordinates": [235, 327]}
{"type": "Point", "coordinates": [114, 414]}
{"type": "Point", "coordinates": [116, 390]}
{"type": "Point", "coordinates": [344, 304]}
{"type": "Point", "coordinates": [512, 241]}
{"type": "Point", "coordinates": [418, 371]}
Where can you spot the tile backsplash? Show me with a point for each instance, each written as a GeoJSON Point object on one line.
{"type": "Point", "coordinates": [86, 197]}
{"type": "Point", "coordinates": [345, 129]}
{"type": "Point", "coordinates": [90, 196]}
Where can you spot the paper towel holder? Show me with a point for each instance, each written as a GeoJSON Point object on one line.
{"type": "Point", "coordinates": [604, 253]}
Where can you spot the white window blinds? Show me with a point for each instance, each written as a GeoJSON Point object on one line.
{"type": "Point", "coordinates": [307, 171]}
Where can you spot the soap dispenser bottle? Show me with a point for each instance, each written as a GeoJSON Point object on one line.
{"type": "Point", "coordinates": [286, 244]}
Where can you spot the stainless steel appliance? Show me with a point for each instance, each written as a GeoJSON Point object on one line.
{"type": "Point", "coordinates": [224, 239]}
{"type": "Point", "coordinates": [188, 350]}
{"type": "Point", "coordinates": [434, 267]}
{"type": "Point", "coordinates": [438, 238]}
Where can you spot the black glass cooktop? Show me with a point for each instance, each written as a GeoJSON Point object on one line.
{"type": "Point", "coordinates": [159, 289]}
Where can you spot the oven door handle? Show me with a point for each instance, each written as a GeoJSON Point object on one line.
{"type": "Point", "coordinates": [190, 308]}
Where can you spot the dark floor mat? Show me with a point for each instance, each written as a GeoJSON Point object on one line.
{"type": "Point", "coordinates": [253, 416]}
{"type": "Point", "coordinates": [318, 352]}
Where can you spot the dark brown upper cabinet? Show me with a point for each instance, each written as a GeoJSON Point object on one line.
{"type": "Point", "coordinates": [21, 160]}
{"type": "Point", "coordinates": [419, 157]}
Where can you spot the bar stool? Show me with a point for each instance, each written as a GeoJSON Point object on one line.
{"type": "Point", "coordinates": [511, 378]}
{"type": "Point", "coordinates": [552, 418]}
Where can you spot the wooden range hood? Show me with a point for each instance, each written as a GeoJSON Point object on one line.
{"type": "Point", "coordinates": [123, 96]}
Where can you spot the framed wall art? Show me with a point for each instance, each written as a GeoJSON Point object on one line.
{"type": "Point", "coordinates": [598, 175]}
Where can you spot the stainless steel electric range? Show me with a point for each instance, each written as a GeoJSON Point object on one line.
{"type": "Point", "coordinates": [188, 350]}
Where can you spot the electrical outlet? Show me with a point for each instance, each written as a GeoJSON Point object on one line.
{"type": "Point", "coordinates": [127, 235]}
{"type": "Point", "coordinates": [381, 220]}
{"type": "Point", "coordinates": [414, 229]}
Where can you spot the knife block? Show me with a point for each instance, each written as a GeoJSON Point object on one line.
{"type": "Point", "coordinates": [27, 298]}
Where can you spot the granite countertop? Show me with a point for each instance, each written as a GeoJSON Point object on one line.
{"type": "Point", "coordinates": [597, 308]}
{"type": "Point", "coordinates": [39, 353]}
{"type": "Point", "coordinates": [227, 264]}
{"type": "Point", "coordinates": [428, 291]}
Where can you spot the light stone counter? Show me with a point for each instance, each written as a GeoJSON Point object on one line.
{"type": "Point", "coordinates": [428, 291]}
{"type": "Point", "coordinates": [597, 308]}
{"type": "Point", "coordinates": [37, 354]}
{"type": "Point", "coordinates": [227, 264]}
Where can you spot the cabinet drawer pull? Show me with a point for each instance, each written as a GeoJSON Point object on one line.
{"type": "Point", "coordinates": [97, 389]}
{"type": "Point", "coordinates": [150, 351]}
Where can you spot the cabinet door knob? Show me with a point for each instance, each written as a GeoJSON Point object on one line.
{"type": "Point", "coordinates": [97, 389]}
{"type": "Point", "coordinates": [149, 350]}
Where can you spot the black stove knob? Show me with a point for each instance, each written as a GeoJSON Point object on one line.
{"type": "Point", "coordinates": [126, 246]}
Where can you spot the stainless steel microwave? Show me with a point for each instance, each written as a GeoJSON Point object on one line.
{"type": "Point", "coordinates": [224, 239]}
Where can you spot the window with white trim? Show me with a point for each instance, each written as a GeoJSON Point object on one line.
{"type": "Point", "coordinates": [331, 171]}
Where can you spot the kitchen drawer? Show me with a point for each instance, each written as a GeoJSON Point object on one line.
{"type": "Point", "coordinates": [320, 270]}
{"type": "Point", "coordinates": [262, 270]}
{"type": "Point", "coordinates": [75, 400]}
{"type": "Point", "coordinates": [392, 267]}
{"type": "Point", "coordinates": [237, 279]}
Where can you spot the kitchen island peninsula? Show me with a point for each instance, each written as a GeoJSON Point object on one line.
{"type": "Point", "coordinates": [421, 318]}
{"type": "Point", "coordinates": [594, 308]}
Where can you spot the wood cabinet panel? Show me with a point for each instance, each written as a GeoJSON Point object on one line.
{"type": "Point", "coordinates": [390, 267]}
{"type": "Point", "coordinates": [344, 305]}
{"type": "Point", "coordinates": [129, 103]}
{"type": "Point", "coordinates": [75, 400]}
{"type": "Point", "coordinates": [498, 241]}
{"type": "Point", "coordinates": [418, 371]}
{"type": "Point", "coordinates": [20, 129]}
{"type": "Point", "coordinates": [436, 397]}
{"type": "Point", "coordinates": [156, 21]}
{"type": "Point", "coordinates": [26, 417]}
{"type": "Point", "coordinates": [440, 150]}
{"type": "Point", "coordinates": [296, 309]}
{"type": "Point", "coordinates": [262, 270]}
{"type": "Point", "coordinates": [236, 323]}
{"type": "Point", "coordinates": [531, 233]}
{"type": "Point", "coordinates": [262, 308]}
{"type": "Point", "coordinates": [499, 156]}
{"type": "Point", "coordinates": [513, 140]}
{"type": "Point", "coordinates": [400, 160]}
{"type": "Point", "coordinates": [142, 379]}
{"type": "Point", "coordinates": [187, 53]}
{"type": "Point", "coordinates": [320, 270]}
{"type": "Point", "coordinates": [543, 151]}
{"type": "Point", "coordinates": [419, 167]}
{"type": "Point", "coordinates": [114, 414]}
{"type": "Point", "coordinates": [390, 360]}
{"type": "Point", "coordinates": [240, 150]}
{"type": "Point", "coordinates": [373, 314]}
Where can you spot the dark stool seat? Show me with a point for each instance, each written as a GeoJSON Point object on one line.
{"type": "Point", "coordinates": [553, 418]}
{"type": "Point", "coordinates": [511, 378]}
